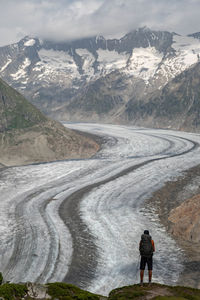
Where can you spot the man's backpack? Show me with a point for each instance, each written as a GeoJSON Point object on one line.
{"type": "Point", "coordinates": [146, 247]}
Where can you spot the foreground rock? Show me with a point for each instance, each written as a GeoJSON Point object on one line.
{"type": "Point", "coordinates": [63, 291]}
{"type": "Point", "coordinates": [154, 291]}
{"type": "Point", "coordinates": [27, 136]}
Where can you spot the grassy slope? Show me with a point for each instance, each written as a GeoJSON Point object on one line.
{"type": "Point", "coordinates": [15, 111]}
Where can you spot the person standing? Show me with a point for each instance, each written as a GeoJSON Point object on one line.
{"type": "Point", "coordinates": [146, 248]}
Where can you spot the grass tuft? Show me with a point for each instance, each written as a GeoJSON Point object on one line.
{"type": "Point", "coordinates": [64, 291]}
{"type": "Point", "coordinates": [12, 291]}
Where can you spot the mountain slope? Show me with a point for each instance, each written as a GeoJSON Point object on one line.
{"type": "Point", "coordinates": [176, 106]}
{"type": "Point", "coordinates": [100, 100]}
{"type": "Point", "coordinates": [27, 136]}
{"type": "Point", "coordinates": [15, 111]}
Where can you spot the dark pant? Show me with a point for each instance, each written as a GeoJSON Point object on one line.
{"type": "Point", "coordinates": [148, 261]}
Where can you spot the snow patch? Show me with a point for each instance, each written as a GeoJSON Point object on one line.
{"type": "Point", "coordinates": [5, 66]}
{"type": "Point", "coordinates": [38, 66]}
{"type": "Point", "coordinates": [21, 72]}
{"type": "Point", "coordinates": [29, 43]}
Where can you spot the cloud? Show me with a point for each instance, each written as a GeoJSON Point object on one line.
{"type": "Point", "coordinates": [70, 19]}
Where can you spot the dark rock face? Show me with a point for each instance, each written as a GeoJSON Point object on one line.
{"type": "Point", "coordinates": [98, 97]}
{"type": "Point", "coordinates": [144, 37]}
{"type": "Point", "coordinates": [178, 103]}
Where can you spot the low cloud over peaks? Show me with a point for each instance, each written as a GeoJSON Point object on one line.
{"type": "Point", "coordinates": [70, 19]}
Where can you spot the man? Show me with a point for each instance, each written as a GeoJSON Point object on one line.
{"type": "Point", "coordinates": [146, 248]}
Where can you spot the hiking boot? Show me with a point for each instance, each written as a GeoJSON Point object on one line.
{"type": "Point", "coordinates": [149, 283]}
{"type": "Point", "coordinates": [141, 283]}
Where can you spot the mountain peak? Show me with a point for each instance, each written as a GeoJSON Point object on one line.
{"type": "Point", "coordinates": [144, 28]}
{"type": "Point", "coordinates": [99, 37]}
{"type": "Point", "coordinates": [196, 35]}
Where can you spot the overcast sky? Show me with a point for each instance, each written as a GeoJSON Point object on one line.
{"type": "Point", "coordinates": [69, 19]}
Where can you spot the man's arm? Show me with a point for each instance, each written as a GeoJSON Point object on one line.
{"type": "Point", "coordinates": [153, 245]}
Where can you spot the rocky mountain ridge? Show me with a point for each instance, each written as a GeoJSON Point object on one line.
{"type": "Point", "coordinates": [94, 79]}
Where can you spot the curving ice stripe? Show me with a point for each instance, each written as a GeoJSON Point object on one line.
{"type": "Point", "coordinates": [135, 142]}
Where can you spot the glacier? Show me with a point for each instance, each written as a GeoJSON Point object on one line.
{"type": "Point", "coordinates": [36, 243]}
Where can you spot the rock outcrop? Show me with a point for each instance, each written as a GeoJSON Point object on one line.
{"type": "Point", "coordinates": [175, 106]}
{"type": "Point", "coordinates": [185, 220]}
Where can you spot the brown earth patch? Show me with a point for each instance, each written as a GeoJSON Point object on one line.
{"type": "Point", "coordinates": [185, 220]}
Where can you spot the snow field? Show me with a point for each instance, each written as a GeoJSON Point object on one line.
{"type": "Point", "coordinates": [144, 62]}
{"type": "Point", "coordinates": [111, 60]}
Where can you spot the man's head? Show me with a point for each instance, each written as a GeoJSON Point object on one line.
{"type": "Point", "coordinates": [146, 232]}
